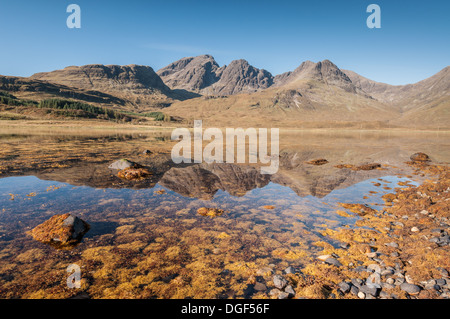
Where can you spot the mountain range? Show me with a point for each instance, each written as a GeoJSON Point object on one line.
{"type": "Point", "coordinates": [315, 94]}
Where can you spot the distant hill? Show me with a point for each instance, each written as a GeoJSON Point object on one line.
{"type": "Point", "coordinates": [137, 84]}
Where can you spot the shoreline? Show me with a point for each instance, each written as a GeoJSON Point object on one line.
{"type": "Point", "coordinates": [100, 125]}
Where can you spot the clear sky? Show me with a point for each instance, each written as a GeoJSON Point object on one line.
{"type": "Point", "coordinates": [412, 44]}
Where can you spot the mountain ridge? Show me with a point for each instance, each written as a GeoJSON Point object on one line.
{"type": "Point", "coordinates": [198, 87]}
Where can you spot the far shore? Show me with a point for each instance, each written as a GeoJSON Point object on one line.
{"type": "Point", "coordinates": [49, 126]}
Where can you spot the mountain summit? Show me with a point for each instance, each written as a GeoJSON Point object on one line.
{"type": "Point", "coordinates": [203, 75]}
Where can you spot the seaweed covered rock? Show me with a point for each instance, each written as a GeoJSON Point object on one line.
{"type": "Point", "coordinates": [131, 173]}
{"type": "Point", "coordinates": [419, 157]}
{"type": "Point", "coordinates": [211, 212]}
{"type": "Point", "coordinates": [319, 161]}
{"type": "Point", "coordinates": [63, 231]}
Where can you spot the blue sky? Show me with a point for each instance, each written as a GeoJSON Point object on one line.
{"type": "Point", "coordinates": [412, 44]}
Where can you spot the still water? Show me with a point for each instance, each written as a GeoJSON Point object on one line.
{"type": "Point", "coordinates": [147, 239]}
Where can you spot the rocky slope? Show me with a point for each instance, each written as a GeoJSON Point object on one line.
{"type": "Point", "coordinates": [203, 75]}
{"type": "Point", "coordinates": [192, 74]}
{"type": "Point", "coordinates": [37, 89]}
{"type": "Point", "coordinates": [138, 84]}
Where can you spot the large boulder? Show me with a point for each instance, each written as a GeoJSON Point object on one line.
{"type": "Point", "coordinates": [63, 231]}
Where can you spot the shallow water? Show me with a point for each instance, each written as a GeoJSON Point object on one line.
{"type": "Point", "coordinates": [144, 243]}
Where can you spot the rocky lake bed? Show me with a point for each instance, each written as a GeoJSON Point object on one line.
{"type": "Point", "coordinates": [347, 216]}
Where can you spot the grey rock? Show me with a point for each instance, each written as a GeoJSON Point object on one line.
{"type": "Point", "coordinates": [283, 295]}
{"type": "Point", "coordinates": [344, 287]}
{"type": "Point", "coordinates": [122, 164]}
{"type": "Point", "coordinates": [441, 282]}
{"type": "Point", "coordinates": [279, 282]}
{"type": "Point", "coordinates": [79, 227]}
{"type": "Point", "coordinates": [360, 269]}
{"type": "Point", "coordinates": [274, 292]}
{"type": "Point", "coordinates": [410, 288]}
{"type": "Point", "coordinates": [289, 290]}
{"type": "Point", "coordinates": [354, 290]}
{"type": "Point", "coordinates": [370, 290]}
{"type": "Point", "coordinates": [333, 261]}
{"type": "Point", "coordinates": [290, 270]}
{"type": "Point", "coordinates": [357, 282]}
{"type": "Point", "coordinates": [395, 254]}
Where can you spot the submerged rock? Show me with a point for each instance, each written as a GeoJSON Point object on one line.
{"type": "Point", "coordinates": [211, 212]}
{"type": "Point", "coordinates": [61, 231]}
{"type": "Point", "coordinates": [368, 167]}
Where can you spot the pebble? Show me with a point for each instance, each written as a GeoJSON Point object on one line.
{"type": "Point", "coordinates": [390, 281]}
{"type": "Point", "coordinates": [415, 229]}
{"type": "Point", "coordinates": [410, 288]}
{"type": "Point", "coordinates": [361, 295]}
{"type": "Point", "coordinates": [279, 282]}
